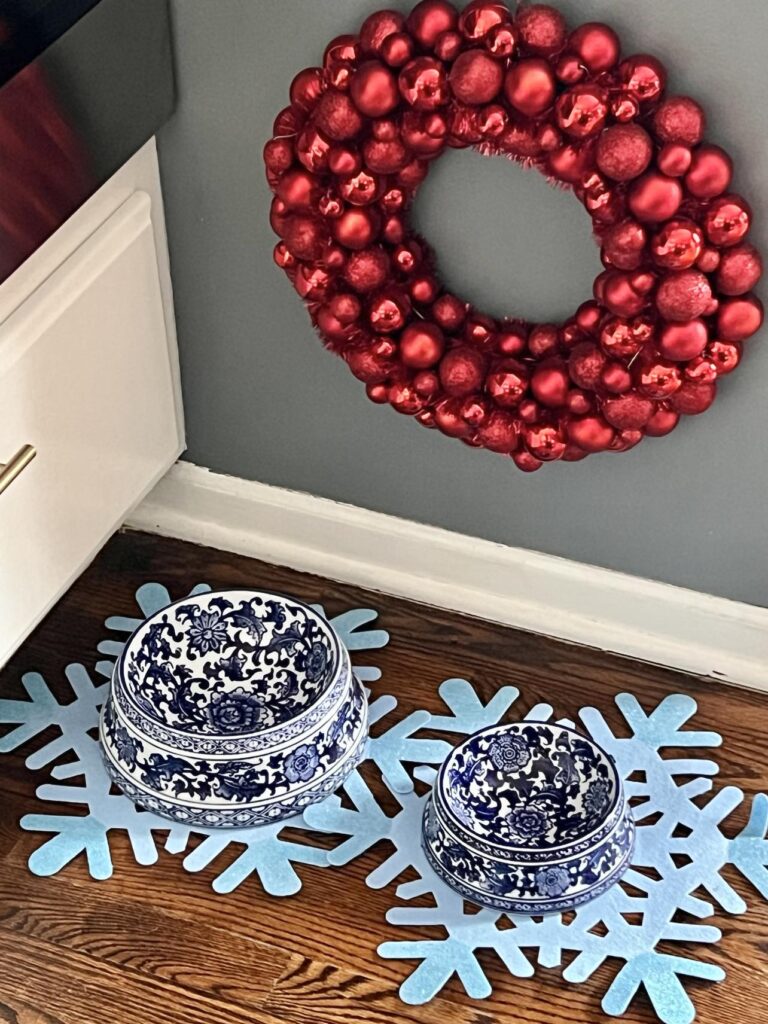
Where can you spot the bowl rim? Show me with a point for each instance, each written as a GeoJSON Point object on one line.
{"type": "Point", "coordinates": [501, 727]}
{"type": "Point", "coordinates": [342, 658]}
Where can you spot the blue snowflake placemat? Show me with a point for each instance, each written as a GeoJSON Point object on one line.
{"type": "Point", "coordinates": [627, 923]}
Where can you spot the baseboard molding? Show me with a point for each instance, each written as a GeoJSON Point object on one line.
{"type": "Point", "coordinates": [654, 622]}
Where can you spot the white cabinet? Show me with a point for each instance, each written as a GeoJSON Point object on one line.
{"type": "Point", "coordinates": [88, 377]}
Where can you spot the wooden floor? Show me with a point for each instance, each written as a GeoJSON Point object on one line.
{"type": "Point", "coordinates": [157, 946]}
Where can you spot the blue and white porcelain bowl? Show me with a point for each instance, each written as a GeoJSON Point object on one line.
{"type": "Point", "coordinates": [233, 708]}
{"type": "Point", "coordinates": [529, 818]}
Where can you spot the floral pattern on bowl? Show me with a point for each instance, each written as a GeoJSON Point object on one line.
{"type": "Point", "coordinates": [528, 818]}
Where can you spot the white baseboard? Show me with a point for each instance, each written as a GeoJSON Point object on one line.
{"type": "Point", "coordinates": [654, 622]}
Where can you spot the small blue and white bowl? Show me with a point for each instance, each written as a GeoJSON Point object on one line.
{"type": "Point", "coordinates": [528, 818]}
{"type": "Point", "coordinates": [231, 709]}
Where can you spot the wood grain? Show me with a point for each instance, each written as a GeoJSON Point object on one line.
{"type": "Point", "coordinates": [154, 945]}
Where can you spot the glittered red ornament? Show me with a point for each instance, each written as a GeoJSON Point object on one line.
{"type": "Point", "coordinates": [677, 245]}
{"type": "Point", "coordinates": [581, 111]}
{"type": "Point", "coordinates": [462, 371]}
{"type": "Point", "coordinates": [385, 157]}
{"type": "Point", "coordinates": [710, 174]}
{"type": "Point", "coordinates": [727, 220]}
{"type": "Point", "coordinates": [662, 422]}
{"type": "Point", "coordinates": [542, 28]}
{"type": "Point", "coordinates": [278, 155]}
{"type": "Point", "coordinates": [475, 77]}
{"type": "Point", "coordinates": [628, 412]}
{"type": "Point", "coordinates": [377, 27]}
{"type": "Point", "coordinates": [596, 45]}
{"type": "Point", "coordinates": [499, 433]}
{"type": "Point", "coordinates": [739, 318]}
{"type": "Point", "coordinates": [545, 442]}
{"type": "Point", "coordinates": [367, 270]}
{"type": "Point", "coordinates": [643, 77]}
{"type": "Point", "coordinates": [585, 364]}
{"type": "Point", "coordinates": [679, 119]}
{"type": "Point", "coordinates": [543, 341]}
{"type": "Point", "coordinates": [550, 383]}
{"type": "Point", "coordinates": [426, 383]}
{"type": "Point", "coordinates": [305, 236]}
{"type": "Point", "coordinates": [590, 433]}
{"type": "Point", "coordinates": [423, 83]}
{"type": "Point", "coordinates": [345, 307]}
{"type": "Point", "coordinates": [421, 345]}
{"type": "Point", "coordinates": [373, 89]}
{"type": "Point", "coordinates": [370, 363]}
{"type": "Point", "coordinates": [356, 228]}
{"type": "Point", "coordinates": [692, 399]}
{"type": "Point", "coordinates": [429, 18]}
{"type": "Point", "coordinates": [655, 197]}
{"type": "Point", "coordinates": [530, 86]}
{"type": "Point", "coordinates": [683, 341]}
{"type": "Point", "coordinates": [624, 245]}
{"type": "Point", "coordinates": [449, 312]}
{"type": "Point", "coordinates": [740, 270]}
{"type": "Point", "coordinates": [683, 295]}
{"type": "Point", "coordinates": [624, 151]}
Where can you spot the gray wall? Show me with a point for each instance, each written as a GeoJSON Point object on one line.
{"type": "Point", "coordinates": [266, 402]}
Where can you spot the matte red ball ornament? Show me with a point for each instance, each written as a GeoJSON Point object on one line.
{"type": "Point", "coordinates": [669, 314]}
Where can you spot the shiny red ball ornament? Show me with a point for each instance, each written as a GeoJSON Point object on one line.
{"type": "Point", "coordinates": [388, 310]}
{"type": "Point", "coordinates": [283, 258]}
{"type": "Point", "coordinates": [542, 28]}
{"type": "Point", "coordinates": [526, 462]}
{"type": "Point", "coordinates": [429, 19]}
{"type": "Point", "coordinates": [511, 341]}
{"type": "Point", "coordinates": [543, 341]}
{"type": "Point", "coordinates": [373, 89]}
{"type": "Point", "coordinates": [570, 70]}
{"type": "Point", "coordinates": [421, 345]}
{"type": "Point", "coordinates": [479, 17]}
{"type": "Point", "coordinates": [596, 45]}
{"type": "Point", "coordinates": [674, 160]}
{"type": "Point", "coordinates": [278, 214]}
{"type": "Point", "coordinates": [624, 151]}
{"type": "Point", "coordinates": [655, 197]}
{"type": "Point", "coordinates": [423, 84]}
{"type": "Point", "coordinates": [628, 412]}
{"type": "Point", "coordinates": [662, 422]}
{"type": "Point", "coordinates": [622, 339]}
{"type": "Point", "coordinates": [726, 355]}
{"type": "Point", "coordinates": [501, 41]}
{"type": "Point", "coordinates": [658, 378]}
{"type": "Point", "coordinates": [367, 270]}
{"type": "Point", "coordinates": [378, 393]}
{"type": "Point", "coordinates": [507, 383]}
{"type": "Point", "coordinates": [312, 283]}
{"type": "Point", "coordinates": [342, 48]}
{"type": "Point", "coordinates": [679, 119]}
{"type": "Point", "coordinates": [462, 371]}
{"type": "Point", "coordinates": [361, 189]}
{"type": "Point", "coordinates": [355, 228]}
{"type": "Point", "coordinates": [550, 383]}
{"type": "Point", "coordinates": [423, 289]}
{"type": "Point", "coordinates": [475, 77]}
{"type": "Point", "coordinates": [530, 86]}
{"type": "Point", "coordinates": [678, 245]}
{"type": "Point", "coordinates": [740, 270]}
{"type": "Point", "coordinates": [377, 28]}
{"type": "Point", "coordinates": [739, 318]}
{"type": "Point", "coordinates": [701, 371]}
{"type": "Point", "coordinates": [337, 116]}
{"type": "Point", "coordinates": [545, 442]}
{"type": "Point", "coordinates": [306, 88]}
{"type": "Point", "coordinates": [693, 399]}
{"type": "Point", "coordinates": [449, 420]}
{"type": "Point", "coordinates": [683, 295]}
{"type": "Point", "coordinates": [591, 433]}
{"type": "Point", "coordinates": [643, 77]}
{"type": "Point", "coordinates": [710, 173]}
{"type": "Point", "coordinates": [581, 111]}
{"type": "Point", "coordinates": [683, 341]}
{"type": "Point", "coordinates": [727, 220]}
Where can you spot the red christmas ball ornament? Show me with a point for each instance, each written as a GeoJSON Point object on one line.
{"type": "Point", "coordinates": [425, 133]}
{"type": "Point", "coordinates": [306, 89]}
{"type": "Point", "coordinates": [388, 310]}
{"type": "Point", "coordinates": [507, 383]}
{"type": "Point", "coordinates": [421, 345]}
{"type": "Point", "coordinates": [740, 270]}
{"type": "Point", "coordinates": [550, 383]}
{"type": "Point", "coordinates": [312, 283]}
{"type": "Point", "coordinates": [679, 119]}
{"type": "Point", "coordinates": [298, 189]}
{"type": "Point", "coordinates": [545, 442]}
{"type": "Point", "coordinates": [305, 236]}
{"type": "Point", "coordinates": [423, 84]}
{"type": "Point", "coordinates": [344, 160]}
{"type": "Point", "coordinates": [588, 317]}
{"type": "Point", "coordinates": [701, 371]}
{"type": "Point", "coordinates": [370, 363]}
{"type": "Point", "coordinates": [624, 151]}
{"type": "Point", "coordinates": [628, 412]}
{"type": "Point", "coordinates": [385, 157]}
{"type": "Point", "coordinates": [657, 378]}
{"type": "Point", "coordinates": [662, 422]}
{"type": "Point", "coordinates": [278, 214]}
{"type": "Point", "coordinates": [530, 86]}
{"type": "Point", "coordinates": [377, 28]}
{"type": "Point", "coordinates": [727, 220]}
{"type": "Point", "coordinates": [283, 258]}
{"type": "Point", "coordinates": [624, 245]}
{"type": "Point", "coordinates": [312, 149]}
{"type": "Point", "coordinates": [378, 393]}
{"type": "Point", "coordinates": [449, 420]}
{"type": "Point", "coordinates": [655, 197]}
{"type": "Point", "coordinates": [643, 77]}
{"type": "Point", "coordinates": [569, 69]}
{"type": "Point", "coordinates": [393, 231]}
{"type": "Point", "coordinates": [683, 341]}
{"type": "Point", "coordinates": [462, 371]}
{"type": "Point", "coordinates": [330, 206]}
{"type": "Point", "coordinates": [683, 295]}
{"type": "Point", "coordinates": [616, 378]}
{"type": "Point", "coordinates": [579, 403]}
{"type": "Point", "coordinates": [475, 410]}
{"type": "Point", "coordinates": [385, 129]}
{"type": "Point", "coordinates": [480, 16]}
{"type": "Point", "coordinates": [622, 339]}
{"type": "Point", "coordinates": [623, 294]}
{"type": "Point", "coordinates": [288, 122]}
{"type": "Point", "coordinates": [373, 89]}
{"type": "Point", "coordinates": [543, 341]}
{"type": "Point", "coordinates": [367, 270]}
{"type": "Point", "coordinates": [678, 245]}
{"type": "Point", "coordinates": [480, 331]}
{"type": "Point", "coordinates": [499, 433]}
{"type": "Point", "coordinates": [429, 19]}
{"type": "Point", "coordinates": [423, 289]}
{"type": "Point", "coordinates": [405, 399]}
{"type": "Point", "coordinates": [585, 364]}
{"type": "Point", "coordinates": [501, 41]}
{"type": "Point", "coordinates": [345, 307]}
{"type": "Point", "coordinates": [449, 312]}
{"type": "Point", "coordinates": [590, 433]}
{"type": "Point", "coordinates": [278, 155]}
{"type": "Point", "coordinates": [542, 28]}
{"type": "Point", "coordinates": [519, 140]}
{"type": "Point", "coordinates": [581, 110]}
{"type": "Point", "coordinates": [397, 49]}
{"type": "Point", "coordinates": [726, 355]}
{"type": "Point", "coordinates": [341, 49]}
{"type": "Point", "coordinates": [492, 120]}
{"type": "Point", "coordinates": [693, 399]}
{"type": "Point", "coordinates": [739, 318]}
{"type": "Point", "coordinates": [674, 160]}
{"type": "Point", "coordinates": [356, 228]}
{"type": "Point", "coordinates": [529, 411]}
{"type": "Point", "coordinates": [710, 173]}
{"type": "Point", "coordinates": [426, 383]}
{"type": "Point", "coordinates": [596, 45]}
{"type": "Point", "coordinates": [512, 341]}
{"type": "Point", "coordinates": [448, 46]}
{"type": "Point", "coordinates": [361, 189]}
{"type": "Point", "coordinates": [526, 462]}
{"type": "Point", "coordinates": [475, 77]}
{"type": "Point", "coordinates": [626, 439]}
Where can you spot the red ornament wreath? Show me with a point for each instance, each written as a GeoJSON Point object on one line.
{"type": "Point", "coordinates": [672, 307]}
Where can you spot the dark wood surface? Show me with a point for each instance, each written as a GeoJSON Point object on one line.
{"type": "Point", "coordinates": [158, 946]}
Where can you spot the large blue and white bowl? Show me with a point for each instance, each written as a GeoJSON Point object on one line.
{"type": "Point", "coordinates": [231, 709]}
{"type": "Point", "coordinates": [529, 818]}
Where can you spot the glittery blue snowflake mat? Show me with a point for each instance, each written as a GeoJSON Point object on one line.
{"type": "Point", "coordinates": [627, 923]}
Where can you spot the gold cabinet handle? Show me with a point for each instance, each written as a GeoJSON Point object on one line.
{"type": "Point", "coordinates": [17, 464]}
